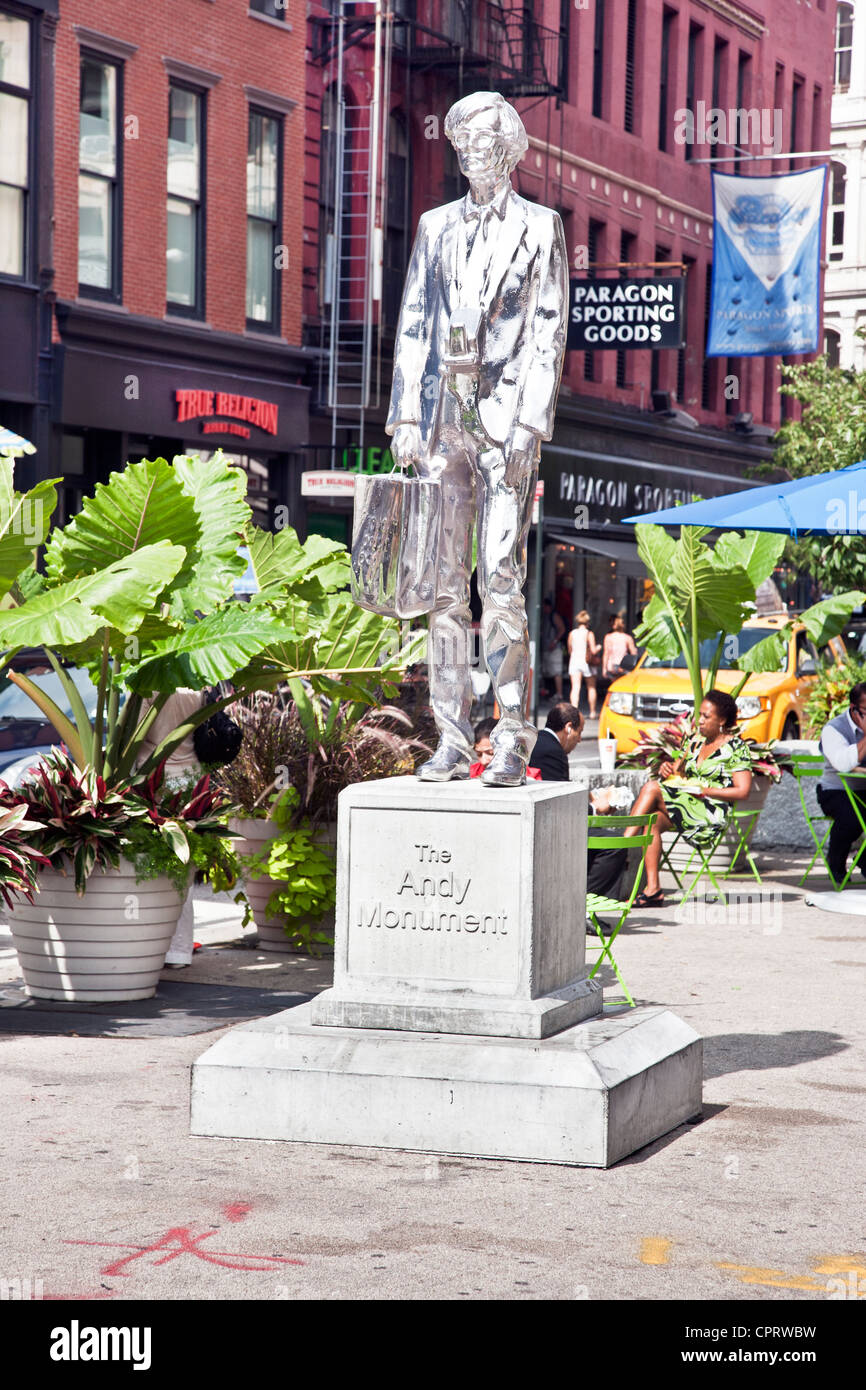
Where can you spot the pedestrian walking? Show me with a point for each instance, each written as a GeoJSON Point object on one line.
{"type": "Point", "coordinates": [616, 647]}
{"type": "Point", "coordinates": [583, 655]}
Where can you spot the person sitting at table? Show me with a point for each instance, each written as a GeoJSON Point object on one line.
{"type": "Point", "coordinates": [843, 744]}
{"type": "Point", "coordinates": [555, 741]}
{"type": "Point", "coordinates": [695, 794]}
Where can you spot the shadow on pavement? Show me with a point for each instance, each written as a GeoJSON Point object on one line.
{"type": "Point", "coordinates": [176, 1010]}
{"type": "Point", "coordinates": [727, 1052]}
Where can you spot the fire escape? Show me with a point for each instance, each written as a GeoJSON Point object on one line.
{"type": "Point", "coordinates": [470, 45]}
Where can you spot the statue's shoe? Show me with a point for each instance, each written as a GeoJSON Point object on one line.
{"type": "Point", "coordinates": [446, 765]}
{"type": "Point", "coordinates": [506, 769]}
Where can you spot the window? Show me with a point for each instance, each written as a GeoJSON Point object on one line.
{"type": "Point", "coordinates": [15, 144]}
{"type": "Point", "coordinates": [274, 9]}
{"type": "Point", "coordinates": [796, 115]}
{"type": "Point", "coordinates": [99, 154]}
{"type": "Point", "coordinates": [831, 347]}
{"type": "Point", "coordinates": [662, 253]}
{"type": "Point", "coordinates": [598, 61]}
{"type": "Point", "coordinates": [264, 192]}
{"type": "Point", "coordinates": [844, 44]}
{"type": "Point", "coordinates": [745, 132]}
{"type": "Point", "coordinates": [707, 371]}
{"type": "Point", "coordinates": [688, 277]}
{"type": "Point", "coordinates": [630, 45]}
{"type": "Point", "coordinates": [696, 35]}
{"type": "Point", "coordinates": [564, 46]}
{"type": "Point", "coordinates": [665, 76]}
{"type": "Point", "coordinates": [836, 230]}
{"type": "Point", "coordinates": [396, 228]}
{"type": "Point", "coordinates": [720, 61]}
{"type": "Point", "coordinates": [184, 248]}
{"type": "Point", "coordinates": [594, 237]}
{"type": "Point", "coordinates": [627, 252]}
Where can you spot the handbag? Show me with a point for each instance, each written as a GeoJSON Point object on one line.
{"type": "Point", "coordinates": [217, 741]}
{"type": "Point", "coordinates": [395, 544]}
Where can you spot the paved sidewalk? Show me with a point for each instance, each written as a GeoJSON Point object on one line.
{"type": "Point", "coordinates": [107, 1196]}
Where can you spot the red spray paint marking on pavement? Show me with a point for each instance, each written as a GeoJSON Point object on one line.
{"type": "Point", "coordinates": [236, 1211]}
{"type": "Point", "coordinates": [184, 1244]}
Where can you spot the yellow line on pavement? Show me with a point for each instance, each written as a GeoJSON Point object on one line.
{"type": "Point", "coordinates": [655, 1250]}
{"type": "Point", "coordinates": [775, 1278]}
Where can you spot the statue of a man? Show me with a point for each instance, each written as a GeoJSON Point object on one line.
{"type": "Point", "coordinates": [477, 363]}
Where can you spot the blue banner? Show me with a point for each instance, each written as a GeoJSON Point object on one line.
{"type": "Point", "coordinates": [766, 264]}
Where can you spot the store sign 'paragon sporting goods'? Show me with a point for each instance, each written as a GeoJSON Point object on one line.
{"type": "Point", "coordinates": [639, 313]}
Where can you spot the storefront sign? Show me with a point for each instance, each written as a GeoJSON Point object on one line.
{"type": "Point", "coordinates": [640, 313]}
{"type": "Point", "coordinates": [372, 459]}
{"type": "Point", "coordinates": [611, 498]}
{"type": "Point", "coordinates": [194, 405]}
{"type": "Point", "coordinates": [536, 504]}
{"type": "Point", "coordinates": [328, 483]}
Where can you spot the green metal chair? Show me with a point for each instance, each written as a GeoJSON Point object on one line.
{"type": "Point", "coordinates": [703, 854]}
{"type": "Point", "coordinates": [806, 766]}
{"type": "Point", "coordinates": [850, 781]}
{"type": "Point", "coordinates": [596, 904]}
{"type": "Point", "coordinates": [742, 823]}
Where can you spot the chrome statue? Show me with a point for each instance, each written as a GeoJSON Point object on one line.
{"type": "Point", "coordinates": [477, 363]}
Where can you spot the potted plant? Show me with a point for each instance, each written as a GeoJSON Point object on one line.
{"type": "Point", "coordinates": [667, 744]}
{"type": "Point", "coordinates": [114, 867]}
{"type": "Point", "coordinates": [299, 752]}
{"type": "Point", "coordinates": [139, 588]}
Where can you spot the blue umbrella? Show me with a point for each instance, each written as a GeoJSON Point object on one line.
{"type": "Point", "coordinates": [12, 441]}
{"type": "Point", "coordinates": [822, 504]}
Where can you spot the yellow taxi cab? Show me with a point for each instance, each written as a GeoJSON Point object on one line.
{"type": "Point", "coordinates": [771, 704]}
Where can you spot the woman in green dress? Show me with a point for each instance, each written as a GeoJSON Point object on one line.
{"type": "Point", "coordinates": [695, 794]}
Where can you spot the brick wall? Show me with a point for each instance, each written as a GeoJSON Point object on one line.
{"type": "Point", "coordinates": [220, 37]}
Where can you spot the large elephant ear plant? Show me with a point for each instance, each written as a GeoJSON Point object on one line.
{"type": "Point", "coordinates": [703, 592]}
{"type": "Point", "coordinates": [139, 588]}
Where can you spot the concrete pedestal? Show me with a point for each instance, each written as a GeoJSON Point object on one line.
{"type": "Point", "coordinates": [460, 909]}
{"type": "Point", "coordinates": [461, 1020]}
{"type": "Point", "coordinates": [588, 1096]}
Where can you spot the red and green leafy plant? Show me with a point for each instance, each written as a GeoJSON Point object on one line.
{"type": "Point", "coordinates": [667, 744]}
{"type": "Point", "coordinates": [19, 861]}
{"type": "Point", "coordinates": [74, 817]}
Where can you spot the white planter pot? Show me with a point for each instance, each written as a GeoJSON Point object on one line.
{"type": "Point", "coordinates": [271, 933]}
{"type": "Point", "coordinates": [721, 858]}
{"type": "Point", "coordinates": [106, 946]}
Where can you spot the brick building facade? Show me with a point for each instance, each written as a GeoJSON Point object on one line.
{"type": "Point", "coordinates": [164, 234]}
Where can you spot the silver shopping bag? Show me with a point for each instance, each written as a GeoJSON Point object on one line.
{"type": "Point", "coordinates": [395, 544]}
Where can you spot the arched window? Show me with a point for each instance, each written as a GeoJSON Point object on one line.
{"type": "Point", "coordinates": [396, 249]}
{"type": "Point", "coordinates": [831, 347]}
{"type": "Point", "coordinates": [836, 229]}
{"type": "Point", "coordinates": [844, 43]}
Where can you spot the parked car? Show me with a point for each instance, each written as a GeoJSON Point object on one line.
{"type": "Point", "coordinates": [25, 733]}
{"type": "Point", "coordinates": [771, 705]}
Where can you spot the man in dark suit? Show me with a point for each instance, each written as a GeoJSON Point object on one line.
{"type": "Point", "coordinates": [555, 741]}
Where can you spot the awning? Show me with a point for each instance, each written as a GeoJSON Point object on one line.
{"type": "Point", "coordinates": [625, 552]}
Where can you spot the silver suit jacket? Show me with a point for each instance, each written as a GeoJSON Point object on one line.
{"type": "Point", "coordinates": [523, 323]}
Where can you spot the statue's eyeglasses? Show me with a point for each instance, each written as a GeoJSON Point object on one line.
{"type": "Point", "coordinates": [473, 139]}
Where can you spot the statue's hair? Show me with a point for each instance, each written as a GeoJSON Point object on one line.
{"type": "Point", "coordinates": [505, 121]}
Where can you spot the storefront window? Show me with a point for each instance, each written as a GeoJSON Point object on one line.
{"type": "Point", "coordinates": [15, 142]}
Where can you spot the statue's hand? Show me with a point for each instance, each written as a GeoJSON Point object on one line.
{"type": "Point", "coordinates": [521, 454]}
{"type": "Point", "coordinates": [407, 446]}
